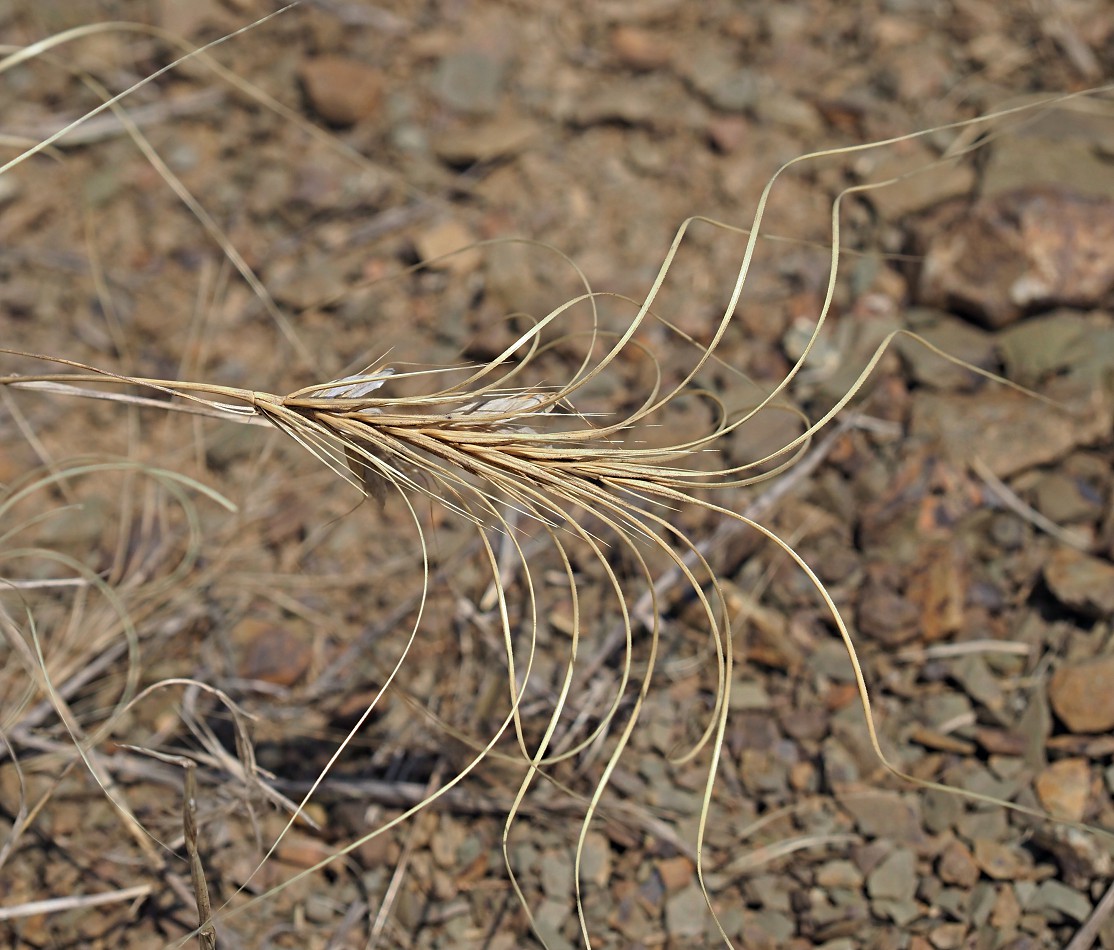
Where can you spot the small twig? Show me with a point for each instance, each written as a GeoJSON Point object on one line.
{"type": "Point", "coordinates": [1004, 494]}
{"type": "Point", "coordinates": [1061, 31]}
{"type": "Point", "coordinates": [91, 757]}
{"type": "Point", "coordinates": [107, 125]}
{"type": "Point", "coordinates": [20, 818]}
{"type": "Point", "coordinates": [962, 721]}
{"type": "Point", "coordinates": [21, 733]}
{"type": "Point", "coordinates": [942, 651]}
{"type": "Point", "coordinates": [55, 905]}
{"type": "Point", "coordinates": [47, 584]}
{"type": "Point", "coordinates": [207, 933]}
{"type": "Point", "coordinates": [356, 910]}
{"type": "Point", "coordinates": [1085, 937]}
{"type": "Point", "coordinates": [766, 854]}
{"type": "Point", "coordinates": [28, 432]}
{"type": "Point", "coordinates": [399, 875]}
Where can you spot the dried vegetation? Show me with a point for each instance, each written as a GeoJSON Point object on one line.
{"type": "Point", "coordinates": [226, 672]}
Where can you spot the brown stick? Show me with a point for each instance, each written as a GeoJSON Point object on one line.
{"type": "Point", "coordinates": [1084, 938]}
{"type": "Point", "coordinates": [207, 933]}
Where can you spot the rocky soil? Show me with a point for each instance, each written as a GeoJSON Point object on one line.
{"type": "Point", "coordinates": [964, 528]}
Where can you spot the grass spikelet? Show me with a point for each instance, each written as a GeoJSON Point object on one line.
{"type": "Point", "coordinates": [579, 500]}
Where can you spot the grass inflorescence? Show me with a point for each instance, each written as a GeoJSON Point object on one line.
{"type": "Point", "coordinates": [577, 509]}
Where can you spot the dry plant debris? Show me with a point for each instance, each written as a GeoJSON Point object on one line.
{"type": "Point", "coordinates": [576, 675]}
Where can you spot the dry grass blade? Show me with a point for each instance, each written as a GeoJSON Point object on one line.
{"type": "Point", "coordinates": [207, 933]}
{"type": "Point", "coordinates": [1086, 936]}
{"type": "Point", "coordinates": [57, 905]}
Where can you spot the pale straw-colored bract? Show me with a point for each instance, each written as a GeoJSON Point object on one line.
{"type": "Point", "coordinates": [518, 454]}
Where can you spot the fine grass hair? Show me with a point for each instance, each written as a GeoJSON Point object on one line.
{"type": "Point", "coordinates": [555, 485]}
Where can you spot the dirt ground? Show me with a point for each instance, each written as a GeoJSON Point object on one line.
{"type": "Point", "coordinates": [191, 600]}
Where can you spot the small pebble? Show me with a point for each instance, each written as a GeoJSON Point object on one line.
{"type": "Point", "coordinates": [639, 49]}
{"type": "Point", "coordinates": [1055, 896]}
{"type": "Point", "coordinates": [469, 81]}
{"type": "Point", "coordinates": [957, 865]}
{"type": "Point", "coordinates": [342, 91]}
{"type": "Point", "coordinates": [1081, 582]}
{"type": "Point", "coordinates": [685, 913]}
{"type": "Point", "coordinates": [446, 237]}
{"type": "Point", "coordinates": [1064, 787]}
{"type": "Point", "coordinates": [1082, 695]}
{"type": "Point", "coordinates": [839, 874]}
{"type": "Point", "coordinates": [999, 861]}
{"type": "Point", "coordinates": [895, 879]}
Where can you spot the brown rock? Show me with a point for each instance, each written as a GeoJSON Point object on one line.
{"type": "Point", "coordinates": [839, 873]}
{"type": "Point", "coordinates": [948, 936]}
{"type": "Point", "coordinates": [676, 873]}
{"type": "Point", "coordinates": [1000, 742]}
{"type": "Point", "coordinates": [1079, 856]}
{"type": "Point", "coordinates": [497, 138]}
{"type": "Point", "coordinates": [270, 653]}
{"type": "Point", "coordinates": [1081, 582]}
{"type": "Point", "coordinates": [342, 91]}
{"type": "Point", "coordinates": [883, 612]}
{"type": "Point", "coordinates": [728, 133]}
{"type": "Point", "coordinates": [302, 850]}
{"type": "Point", "coordinates": [1087, 747]}
{"type": "Point", "coordinates": [942, 742]}
{"type": "Point", "coordinates": [999, 861]}
{"type": "Point", "coordinates": [1056, 145]}
{"type": "Point", "coordinates": [888, 815]}
{"type": "Point", "coordinates": [1064, 787]}
{"type": "Point", "coordinates": [939, 588]}
{"type": "Point", "coordinates": [639, 49]}
{"type": "Point", "coordinates": [1005, 430]}
{"type": "Point", "coordinates": [957, 865]}
{"type": "Point", "coordinates": [447, 237]}
{"type": "Point", "coordinates": [1006, 911]}
{"type": "Point", "coordinates": [1082, 695]}
{"type": "Point", "coordinates": [1021, 251]}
